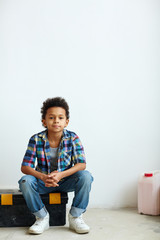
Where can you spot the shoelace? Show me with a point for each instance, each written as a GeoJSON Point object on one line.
{"type": "Point", "coordinates": [79, 221]}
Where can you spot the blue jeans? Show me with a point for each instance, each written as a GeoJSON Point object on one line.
{"type": "Point", "coordinates": [79, 183]}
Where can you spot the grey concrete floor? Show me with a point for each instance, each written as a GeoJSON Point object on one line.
{"type": "Point", "coordinates": [120, 224]}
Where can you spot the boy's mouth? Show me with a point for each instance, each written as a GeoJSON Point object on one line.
{"type": "Point", "coordinates": [55, 126]}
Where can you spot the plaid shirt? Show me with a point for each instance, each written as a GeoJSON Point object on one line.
{"type": "Point", "coordinates": [70, 152]}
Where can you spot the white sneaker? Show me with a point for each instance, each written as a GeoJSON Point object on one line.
{"type": "Point", "coordinates": [77, 224]}
{"type": "Point", "coordinates": [40, 225]}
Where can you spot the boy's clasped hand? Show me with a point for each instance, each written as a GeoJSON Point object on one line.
{"type": "Point", "coordinates": [52, 179]}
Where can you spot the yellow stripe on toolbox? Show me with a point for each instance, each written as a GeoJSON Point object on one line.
{"type": "Point", "coordinates": [6, 199]}
{"type": "Point", "coordinates": [54, 198]}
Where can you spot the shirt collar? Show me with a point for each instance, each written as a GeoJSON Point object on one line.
{"type": "Point", "coordinates": [65, 134]}
{"type": "Point", "coordinates": [43, 135]}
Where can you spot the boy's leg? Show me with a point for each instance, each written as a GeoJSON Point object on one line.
{"type": "Point", "coordinates": [80, 183]}
{"type": "Point", "coordinates": [31, 188]}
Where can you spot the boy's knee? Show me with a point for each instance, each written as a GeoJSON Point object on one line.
{"type": "Point", "coordinates": [86, 177]}
{"type": "Point", "coordinates": [26, 181]}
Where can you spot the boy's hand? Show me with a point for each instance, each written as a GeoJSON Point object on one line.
{"type": "Point", "coordinates": [53, 179]}
{"type": "Point", "coordinates": [49, 182]}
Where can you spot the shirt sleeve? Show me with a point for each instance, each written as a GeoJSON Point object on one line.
{"type": "Point", "coordinates": [30, 155]}
{"type": "Point", "coordinates": [78, 155]}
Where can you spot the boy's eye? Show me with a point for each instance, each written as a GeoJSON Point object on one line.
{"type": "Point", "coordinates": [53, 117]}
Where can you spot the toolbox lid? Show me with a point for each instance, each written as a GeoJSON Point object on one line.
{"type": "Point", "coordinates": [17, 197]}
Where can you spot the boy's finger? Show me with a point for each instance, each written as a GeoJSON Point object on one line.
{"type": "Point", "coordinates": [51, 185]}
{"type": "Point", "coordinates": [49, 181]}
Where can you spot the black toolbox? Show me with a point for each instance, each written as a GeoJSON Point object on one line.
{"type": "Point", "coordinates": [15, 213]}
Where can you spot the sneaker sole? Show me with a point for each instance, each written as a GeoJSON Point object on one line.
{"type": "Point", "coordinates": [79, 231]}
{"type": "Point", "coordinates": [37, 232]}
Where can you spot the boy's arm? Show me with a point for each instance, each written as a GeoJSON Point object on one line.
{"type": "Point", "coordinates": [30, 171]}
{"type": "Point", "coordinates": [28, 163]}
{"type": "Point", "coordinates": [77, 167]}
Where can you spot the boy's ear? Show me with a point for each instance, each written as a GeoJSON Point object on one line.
{"type": "Point", "coordinates": [67, 121]}
{"type": "Point", "coordinates": [44, 122]}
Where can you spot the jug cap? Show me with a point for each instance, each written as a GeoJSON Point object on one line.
{"type": "Point", "coordinates": [148, 174]}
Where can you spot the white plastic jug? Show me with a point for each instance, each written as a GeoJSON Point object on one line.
{"type": "Point", "coordinates": [149, 193]}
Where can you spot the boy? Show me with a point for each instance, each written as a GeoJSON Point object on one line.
{"type": "Point", "coordinates": [60, 167]}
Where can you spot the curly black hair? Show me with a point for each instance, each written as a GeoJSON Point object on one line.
{"type": "Point", "coordinates": [54, 102]}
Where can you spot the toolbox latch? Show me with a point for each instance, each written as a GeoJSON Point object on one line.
{"type": "Point", "coordinates": [55, 198]}
{"type": "Point", "coordinates": [6, 199]}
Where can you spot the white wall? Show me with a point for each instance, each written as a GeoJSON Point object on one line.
{"type": "Point", "coordinates": [103, 57]}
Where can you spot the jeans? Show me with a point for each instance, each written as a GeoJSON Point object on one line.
{"type": "Point", "coordinates": [80, 183]}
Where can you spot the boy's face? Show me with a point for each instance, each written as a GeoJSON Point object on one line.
{"type": "Point", "coordinates": [55, 119]}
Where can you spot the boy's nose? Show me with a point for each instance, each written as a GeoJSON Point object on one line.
{"type": "Point", "coordinates": [56, 120]}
